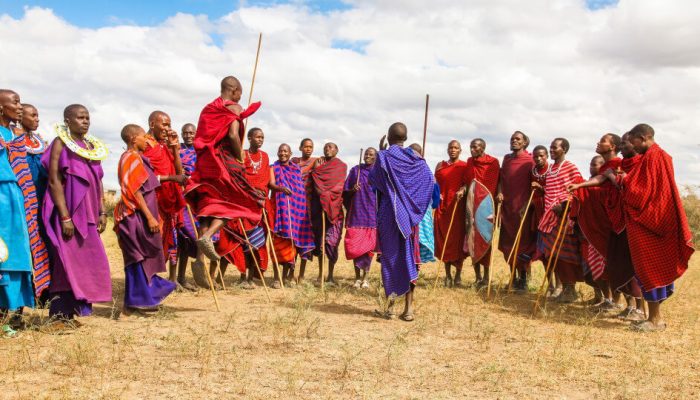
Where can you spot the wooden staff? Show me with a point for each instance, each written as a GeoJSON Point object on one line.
{"type": "Point", "coordinates": [358, 170]}
{"type": "Point", "coordinates": [444, 245]}
{"type": "Point", "coordinates": [196, 235]}
{"type": "Point", "coordinates": [206, 270]}
{"type": "Point", "coordinates": [322, 260]}
{"type": "Point", "coordinates": [516, 244]}
{"type": "Point", "coordinates": [268, 240]}
{"type": "Point", "coordinates": [556, 248]}
{"type": "Point", "coordinates": [494, 246]}
{"type": "Point", "coordinates": [255, 260]}
{"type": "Point", "coordinates": [289, 217]}
{"type": "Point", "coordinates": [255, 70]}
{"type": "Point", "coordinates": [425, 123]}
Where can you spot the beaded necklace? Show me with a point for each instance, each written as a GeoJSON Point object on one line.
{"type": "Point", "coordinates": [96, 150]}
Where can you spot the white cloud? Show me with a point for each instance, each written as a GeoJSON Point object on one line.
{"type": "Point", "coordinates": [547, 68]}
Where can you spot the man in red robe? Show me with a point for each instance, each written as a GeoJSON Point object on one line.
{"type": "Point", "coordinates": [328, 176]}
{"type": "Point", "coordinates": [591, 213]}
{"type": "Point", "coordinates": [163, 152]}
{"type": "Point", "coordinates": [451, 177]}
{"type": "Point", "coordinates": [218, 191]}
{"type": "Point", "coordinates": [657, 227]}
{"type": "Point", "coordinates": [257, 172]}
{"type": "Point", "coordinates": [514, 193]}
{"type": "Point", "coordinates": [485, 169]}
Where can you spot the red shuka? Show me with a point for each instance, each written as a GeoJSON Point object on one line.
{"type": "Point", "coordinates": [450, 177]}
{"type": "Point", "coordinates": [657, 227]}
{"type": "Point", "coordinates": [485, 169]}
{"type": "Point", "coordinates": [516, 188]}
{"type": "Point", "coordinates": [216, 189]}
{"type": "Point", "coordinates": [590, 211]}
{"type": "Point", "coordinates": [329, 180]}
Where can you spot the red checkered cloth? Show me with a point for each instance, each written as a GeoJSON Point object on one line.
{"type": "Point", "coordinates": [657, 227]}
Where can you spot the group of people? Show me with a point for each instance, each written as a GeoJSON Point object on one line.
{"type": "Point", "coordinates": [623, 231]}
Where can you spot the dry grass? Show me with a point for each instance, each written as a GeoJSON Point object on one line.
{"type": "Point", "coordinates": [308, 346]}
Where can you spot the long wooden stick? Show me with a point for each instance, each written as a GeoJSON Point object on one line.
{"type": "Point", "coordinates": [444, 245]}
{"type": "Point", "coordinates": [358, 171]}
{"type": "Point", "coordinates": [268, 239]}
{"type": "Point", "coordinates": [255, 260]}
{"type": "Point", "coordinates": [425, 123]}
{"type": "Point", "coordinates": [206, 270]}
{"type": "Point", "coordinates": [516, 244]}
{"type": "Point", "coordinates": [255, 70]}
{"type": "Point", "coordinates": [555, 252]}
{"type": "Point", "coordinates": [494, 246]}
{"type": "Point", "coordinates": [322, 260]}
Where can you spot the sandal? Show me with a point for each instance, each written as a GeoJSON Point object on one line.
{"type": "Point", "coordinates": [408, 317]}
{"type": "Point", "coordinates": [388, 314]}
{"type": "Point", "coordinates": [648, 326]}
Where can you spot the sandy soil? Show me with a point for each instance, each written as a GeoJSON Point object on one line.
{"type": "Point", "coordinates": [307, 345]}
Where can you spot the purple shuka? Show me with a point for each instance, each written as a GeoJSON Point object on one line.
{"type": "Point", "coordinates": [291, 219]}
{"type": "Point", "coordinates": [80, 274]}
{"type": "Point", "coordinates": [361, 220]}
{"type": "Point", "coordinates": [405, 185]}
{"type": "Point", "coordinates": [143, 252]}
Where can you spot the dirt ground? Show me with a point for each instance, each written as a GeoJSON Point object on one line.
{"type": "Point", "coordinates": [307, 345]}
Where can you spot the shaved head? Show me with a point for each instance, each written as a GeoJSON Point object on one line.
{"type": "Point", "coordinates": [155, 115]}
{"type": "Point", "coordinates": [129, 131]}
{"type": "Point", "coordinates": [72, 109]}
{"type": "Point", "coordinates": [26, 105]}
{"type": "Point", "coordinates": [641, 130]}
{"type": "Point", "coordinates": [230, 82]}
{"type": "Point", "coordinates": [415, 146]}
{"type": "Point", "coordinates": [398, 133]}
{"type": "Point", "coordinates": [480, 141]}
{"type": "Point", "coordinates": [6, 93]}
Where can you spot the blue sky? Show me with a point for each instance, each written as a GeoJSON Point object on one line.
{"type": "Point", "coordinates": [98, 13]}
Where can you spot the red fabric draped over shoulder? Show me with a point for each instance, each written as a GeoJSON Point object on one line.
{"type": "Point", "coordinates": [486, 170]}
{"type": "Point", "coordinates": [657, 227]}
{"type": "Point", "coordinates": [450, 177]}
{"type": "Point", "coordinates": [218, 187]}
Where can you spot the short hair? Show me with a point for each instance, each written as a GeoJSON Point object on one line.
{"type": "Point", "coordinates": [525, 137]}
{"type": "Point", "coordinates": [641, 130]}
{"type": "Point", "coordinates": [415, 146]}
{"type": "Point", "coordinates": [252, 131]}
{"type": "Point", "coordinates": [597, 157]}
{"type": "Point", "coordinates": [540, 147]}
{"type": "Point", "coordinates": [230, 82]}
{"type": "Point", "coordinates": [128, 132]}
{"type": "Point", "coordinates": [454, 141]}
{"type": "Point", "coordinates": [304, 140]}
{"type": "Point", "coordinates": [478, 140]}
{"type": "Point", "coordinates": [331, 144]}
{"type": "Point", "coordinates": [397, 132]}
{"type": "Point", "coordinates": [284, 145]}
{"type": "Point", "coordinates": [616, 140]}
{"type": "Point", "coordinates": [155, 114]}
{"type": "Point", "coordinates": [72, 109]}
{"type": "Point", "coordinates": [27, 105]}
{"type": "Point", "coordinates": [564, 144]}
{"type": "Point", "coordinates": [188, 124]}
{"type": "Point", "coordinates": [375, 150]}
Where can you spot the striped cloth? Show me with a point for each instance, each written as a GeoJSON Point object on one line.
{"type": "Point", "coordinates": [40, 256]}
{"type": "Point", "coordinates": [292, 209]}
{"type": "Point", "coordinates": [132, 175]}
{"type": "Point", "coordinates": [558, 178]}
{"type": "Point", "coordinates": [188, 157]}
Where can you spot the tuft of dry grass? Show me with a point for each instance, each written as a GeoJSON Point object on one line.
{"type": "Point", "coordinates": [691, 203]}
{"type": "Point", "coordinates": [313, 346]}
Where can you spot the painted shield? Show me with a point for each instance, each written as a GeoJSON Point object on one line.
{"type": "Point", "coordinates": [480, 216]}
{"type": "Point", "coordinates": [4, 253]}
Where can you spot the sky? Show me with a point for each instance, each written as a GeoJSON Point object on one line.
{"type": "Point", "coordinates": [343, 71]}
